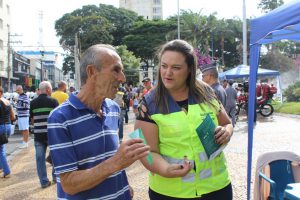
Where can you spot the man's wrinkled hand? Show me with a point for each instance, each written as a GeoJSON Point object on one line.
{"type": "Point", "coordinates": [130, 151]}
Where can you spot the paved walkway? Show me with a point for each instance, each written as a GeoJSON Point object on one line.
{"type": "Point", "coordinates": [270, 134]}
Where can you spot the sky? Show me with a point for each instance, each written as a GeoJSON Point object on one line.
{"type": "Point", "coordinates": [25, 16]}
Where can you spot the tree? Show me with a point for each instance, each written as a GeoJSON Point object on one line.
{"type": "Point", "coordinates": [146, 37]}
{"type": "Point", "coordinates": [292, 93]}
{"type": "Point", "coordinates": [68, 65]}
{"type": "Point", "coordinates": [268, 5]}
{"type": "Point", "coordinates": [93, 24]}
{"type": "Point", "coordinates": [91, 29]}
{"type": "Point", "coordinates": [277, 61]}
{"type": "Point", "coordinates": [130, 63]}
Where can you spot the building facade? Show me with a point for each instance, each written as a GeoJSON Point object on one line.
{"type": "Point", "coordinates": [149, 9]}
{"type": "Point", "coordinates": [43, 67]}
{"type": "Point", "coordinates": [5, 61]}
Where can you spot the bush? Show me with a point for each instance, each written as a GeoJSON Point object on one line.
{"type": "Point", "coordinates": [292, 93]}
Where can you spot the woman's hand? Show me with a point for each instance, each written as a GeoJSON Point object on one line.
{"type": "Point", "coordinates": [177, 170]}
{"type": "Point", "coordinates": [222, 135]}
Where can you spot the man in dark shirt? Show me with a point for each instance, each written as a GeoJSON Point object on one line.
{"type": "Point", "coordinates": [40, 108]}
{"type": "Point", "coordinates": [210, 75]}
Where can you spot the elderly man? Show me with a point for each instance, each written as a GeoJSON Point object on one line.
{"type": "Point", "coordinates": [23, 105]}
{"type": "Point", "coordinates": [83, 133]}
{"type": "Point", "coordinates": [210, 76]}
{"type": "Point", "coordinates": [60, 94]}
{"type": "Point", "coordinates": [40, 108]}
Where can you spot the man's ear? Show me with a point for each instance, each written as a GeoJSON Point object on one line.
{"type": "Point", "coordinates": [90, 70]}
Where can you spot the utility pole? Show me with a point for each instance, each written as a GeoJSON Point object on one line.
{"type": "Point", "coordinates": [9, 52]}
{"type": "Point", "coordinates": [178, 20]}
{"type": "Point", "coordinates": [8, 61]}
{"type": "Point", "coordinates": [244, 34]}
{"type": "Point", "coordinates": [76, 59]}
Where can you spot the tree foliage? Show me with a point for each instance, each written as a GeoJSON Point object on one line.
{"type": "Point", "coordinates": [68, 65]}
{"type": "Point", "coordinates": [268, 5]}
{"type": "Point", "coordinates": [292, 93]}
{"type": "Point", "coordinates": [275, 60]}
{"type": "Point", "coordinates": [103, 24]}
{"type": "Point", "coordinates": [146, 37]}
{"type": "Point", "coordinates": [130, 63]}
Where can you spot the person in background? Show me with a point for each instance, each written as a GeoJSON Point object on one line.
{"type": "Point", "coordinates": [40, 108]}
{"type": "Point", "coordinates": [147, 87]}
{"type": "Point", "coordinates": [169, 116]}
{"type": "Point", "coordinates": [230, 106]}
{"type": "Point", "coordinates": [7, 115]}
{"type": "Point", "coordinates": [60, 94]}
{"type": "Point", "coordinates": [119, 99]}
{"type": "Point", "coordinates": [210, 76]}
{"type": "Point", "coordinates": [71, 90]}
{"type": "Point", "coordinates": [83, 133]}
{"type": "Point", "coordinates": [225, 83]}
{"type": "Point", "coordinates": [23, 106]}
{"type": "Point", "coordinates": [135, 104]}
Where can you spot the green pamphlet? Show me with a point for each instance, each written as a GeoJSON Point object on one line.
{"type": "Point", "coordinates": [139, 134]}
{"type": "Point", "coordinates": [206, 134]}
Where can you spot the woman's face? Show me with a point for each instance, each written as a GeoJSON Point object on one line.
{"type": "Point", "coordinates": [174, 70]}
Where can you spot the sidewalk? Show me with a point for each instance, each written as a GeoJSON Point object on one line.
{"type": "Point", "coordinates": [275, 133]}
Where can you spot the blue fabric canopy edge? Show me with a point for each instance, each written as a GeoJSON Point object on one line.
{"type": "Point", "coordinates": [281, 23]}
{"type": "Point", "coordinates": [242, 71]}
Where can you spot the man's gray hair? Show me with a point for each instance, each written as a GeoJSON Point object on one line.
{"type": "Point", "coordinates": [44, 86]}
{"type": "Point", "coordinates": [20, 87]}
{"type": "Point", "coordinates": [61, 84]}
{"type": "Point", "coordinates": [91, 57]}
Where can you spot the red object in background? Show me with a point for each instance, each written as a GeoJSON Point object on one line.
{"type": "Point", "coordinates": [258, 90]}
{"type": "Point", "coordinates": [130, 102]}
{"type": "Point", "coordinates": [265, 91]}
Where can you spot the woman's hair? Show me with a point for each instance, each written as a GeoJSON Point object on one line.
{"type": "Point", "coordinates": [198, 89]}
{"type": "Point", "coordinates": [2, 104]}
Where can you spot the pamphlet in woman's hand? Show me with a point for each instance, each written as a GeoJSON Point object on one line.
{"type": "Point", "coordinates": [206, 134]}
{"type": "Point", "coordinates": [139, 134]}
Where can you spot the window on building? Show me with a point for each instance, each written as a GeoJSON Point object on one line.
{"type": "Point", "coordinates": [1, 44]}
{"type": "Point", "coordinates": [1, 3]}
{"type": "Point", "coordinates": [156, 10]}
{"type": "Point", "coordinates": [1, 24]}
{"type": "Point", "coordinates": [156, 2]}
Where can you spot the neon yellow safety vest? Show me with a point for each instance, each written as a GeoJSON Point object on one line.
{"type": "Point", "coordinates": [178, 138]}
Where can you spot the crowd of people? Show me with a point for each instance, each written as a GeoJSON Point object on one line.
{"type": "Point", "coordinates": [84, 129]}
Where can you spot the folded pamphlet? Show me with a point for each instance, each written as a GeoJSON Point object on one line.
{"type": "Point", "coordinates": [206, 134]}
{"type": "Point", "coordinates": [139, 134]}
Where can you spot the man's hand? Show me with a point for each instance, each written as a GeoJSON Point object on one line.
{"type": "Point", "coordinates": [130, 151]}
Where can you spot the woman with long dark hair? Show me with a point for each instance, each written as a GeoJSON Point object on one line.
{"type": "Point", "coordinates": [6, 116]}
{"type": "Point", "coordinates": [170, 117]}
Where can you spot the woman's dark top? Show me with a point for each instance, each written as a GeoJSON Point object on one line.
{"type": "Point", "coordinates": [4, 113]}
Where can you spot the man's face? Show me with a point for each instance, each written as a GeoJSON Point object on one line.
{"type": "Point", "coordinates": [19, 90]}
{"type": "Point", "coordinates": [109, 77]}
{"type": "Point", "coordinates": [206, 77]}
{"type": "Point", "coordinates": [147, 84]}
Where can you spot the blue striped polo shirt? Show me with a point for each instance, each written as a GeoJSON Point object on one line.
{"type": "Point", "coordinates": [79, 139]}
{"type": "Point", "coordinates": [23, 105]}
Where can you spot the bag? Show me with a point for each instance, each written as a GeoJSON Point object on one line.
{"type": "Point", "coordinates": [3, 139]}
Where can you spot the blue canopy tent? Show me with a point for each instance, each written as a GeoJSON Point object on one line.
{"type": "Point", "coordinates": [242, 71]}
{"type": "Point", "coordinates": [281, 23]}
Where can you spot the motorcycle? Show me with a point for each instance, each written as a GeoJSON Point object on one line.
{"type": "Point", "coordinates": [263, 106]}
